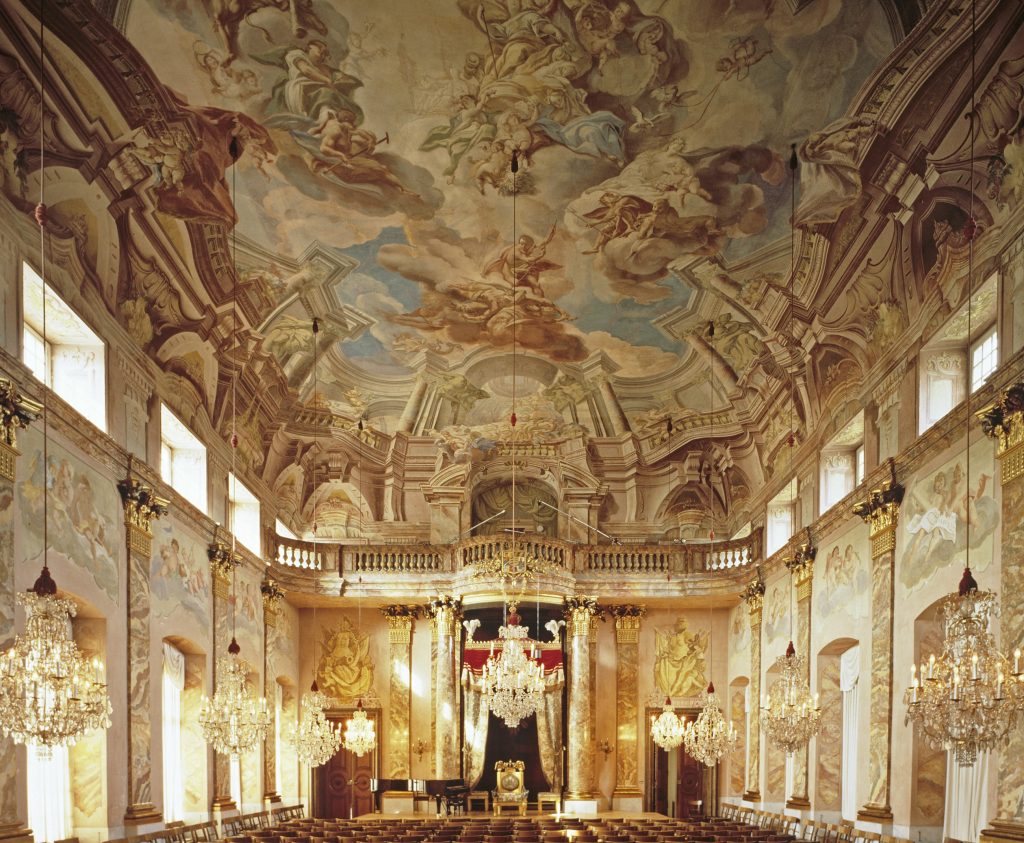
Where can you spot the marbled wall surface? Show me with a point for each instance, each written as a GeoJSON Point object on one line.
{"type": "Point", "coordinates": [737, 758]}
{"type": "Point", "coordinates": [929, 765]}
{"type": "Point", "coordinates": [829, 743]}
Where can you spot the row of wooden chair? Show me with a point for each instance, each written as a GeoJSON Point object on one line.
{"type": "Point", "coordinates": [206, 832]}
{"type": "Point", "coordinates": [812, 830]}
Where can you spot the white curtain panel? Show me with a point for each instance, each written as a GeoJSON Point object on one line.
{"type": "Point", "coordinates": [849, 674]}
{"type": "Point", "coordinates": [966, 808]}
{"type": "Point", "coordinates": [278, 748]}
{"type": "Point", "coordinates": [173, 687]}
{"type": "Point", "coordinates": [49, 793]}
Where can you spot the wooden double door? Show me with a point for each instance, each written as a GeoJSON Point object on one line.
{"type": "Point", "coordinates": [342, 785]}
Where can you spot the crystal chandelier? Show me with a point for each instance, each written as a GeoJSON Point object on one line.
{"type": "Point", "coordinates": [667, 728]}
{"type": "Point", "coordinates": [968, 698]}
{"type": "Point", "coordinates": [316, 740]}
{"type": "Point", "coordinates": [50, 694]}
{"type": "Point", "coordinates": [360, 735]}
{"type": "Point", "coordinates": [234, 721]}
{"type": "Point", "coordinates": [792, 716]}
{"type": "Point", "coordinates": [710, 737]}
{"type": "Point", "coordinates": [513, 680]}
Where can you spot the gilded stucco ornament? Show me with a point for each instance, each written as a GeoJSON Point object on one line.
{"type": "Point", "coordinates": [1004, 422]}
{"type": "Point", "coordinates": [881, 511]}
{"type": "Point", "coordinates": [345, 670]}
{"type": "Point", "coordinates": [16, 411]}
{"type": "Point", "coordinates": [141, 506]}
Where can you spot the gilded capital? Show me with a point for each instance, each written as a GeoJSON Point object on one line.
{"type": "Point", "coordinates": [801, 566]}
{"type": "Point", "coordinates": [753, 596]}
{"type": "Point", "coordinates": [627, 622]}
{"type": "Point", "coordinates": [222, 565]}
{"type": "Point", "coordinates": [273, 594]}
{"type": "Point", "coordinates": [1004, 422]}
{"type": "Point", "coordinates": [881, 511]}
{"type": "Point", "coordinates": [16, 411]}
{"type": "Point", "coordinates": [446, 612]}
{"type": "Point", "coordinates": [141, 506]}
{"type": "Point", "coordinates": [400, 619]}
{"type": "Point", "coordinates": [579, 613]}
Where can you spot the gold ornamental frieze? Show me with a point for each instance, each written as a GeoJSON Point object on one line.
{"type": "Point", "coordinates": [1004, 422]}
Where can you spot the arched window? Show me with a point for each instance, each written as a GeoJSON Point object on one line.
{"type": "Point", "coordinates": [173, 687]}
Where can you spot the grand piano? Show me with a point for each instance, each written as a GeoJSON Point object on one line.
{"type": "Point", "coordinates": [449, 794]}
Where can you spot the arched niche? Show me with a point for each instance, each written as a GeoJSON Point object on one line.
{"type": "Point", "coordinates": [530, 504]}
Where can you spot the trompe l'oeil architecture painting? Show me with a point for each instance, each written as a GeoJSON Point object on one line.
{"type": "Point", "coordinates": [579, 409]}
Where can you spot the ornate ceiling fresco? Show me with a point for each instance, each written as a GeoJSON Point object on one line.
{"type": "Point", "coordinates": [374, 191]}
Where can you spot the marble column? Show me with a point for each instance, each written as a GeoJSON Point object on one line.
{"type": "Point", "coordinates": [273, 595]}
{"type": "Point", "coordinates": [446, 612]}
{"type": "Point", "coordinates": [399, 757]}
{"type": "Point", "coordinates": [627, 795]}
{"type": "Point", "coordinates": [616, 415]}
{"type": "Point", "coordinates": [16, 412]}
{"type": "Point", "coordinates": [1004, 421]}
{"type": "Point", "coordinates": [579, 614]}
{"type": "Point", "coordinates": [141, 506]}
{"type": "Point", "coordinates": [753, 594]}
{"type": "Point", "coordinates": [413, 406]}
{"type": "Point", "coordinates": [881, 510]}
{"type": "Point", "coordinates": [802, 568]}
{"type": "Point", "coordinates": [222, 566]}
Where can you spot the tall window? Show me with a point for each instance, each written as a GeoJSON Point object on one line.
{"type": "Point", "coordinates": [182, 459]}
{"type": "Point", "coordinates": [67, 356]}
{"type": "Point", "coordinates": [49, 793]}
{"type": "Point", "coordinates": [236, 781]}
{"type": "Point", "coordinates": [173, 687]}
{"type": "Point", "coordinates": [842, 463]}
{"type": "Point", "coordinates": [780, 526]}
{"type": "Point", "coordinates": [244, 512]}
{"type": "Point", "coordinates": [984, 358]}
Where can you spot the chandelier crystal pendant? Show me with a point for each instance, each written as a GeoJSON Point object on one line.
{"type": "Point", "coordinates": [513, 680]}
{"type": "Point", "coordinates": [792, 716]}
{"type": "Point", "coordinates": [966, 700]}
{"type": "Point", "coordinates": [316, 740]}
{"type": "Point", "coordinates": [668, 728]}
{"type": "Point", "coordinates": [710, 736]}
{"type": "Point", "coordinates": [50, 693]}
{"type": "Point", "coordinates": [235, 720]}
{"type": "Point", "coordinates": [360, 735]}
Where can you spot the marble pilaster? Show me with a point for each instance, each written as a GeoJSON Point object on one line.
{"type": "Point", "coordinates": [881, 511]}
{"type": "Point", "coordinates": [579, 615]}
{"type": "Point", "coordinates": [222, 565]}
{"type": "Point", "coordinates": [627, 795]}
{"type": "Point", "coordinates": [753, 594]}
{"type": "Point", "coordinates": [272, 594]}
{"type": "Point", "coordinates": [1004, 422]}
{"type": "Point", "coordinates": [446, 613]}
{"type": "Point", "coordinates": [400, 623]}
{"type": "Point", "coordinates": [141, 506]}
{"type": "Point", "coordinates": [15, 412]}
{"type": "Point", "coordinates": [802, 568]}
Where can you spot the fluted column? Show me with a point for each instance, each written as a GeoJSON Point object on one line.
{"type": "Point", "coordinates": [627, 795]}
{"type": "Point", "coordinates": [141, 506]}
{"type": "Point", "coordinates": [222, 565]}
{"type": "Point", "coordinates": [400, 622]}
{"type": "Point", "coordinates": [579, 614]}
{"type": "Point", "coordinates": [802, 568]}
{"type": "Point", "coordinates": [753, 594]}
{"type": "Point", "coordinates": [273, 595]}
{"type": "Point", "coordinates": [881, 510]}
{"type": "Point", "coordinates": [446, 612]}
{"type": "Point", "coordinates": [1004, 421]}
{"type": "Point", "coordinates": [16, 412]}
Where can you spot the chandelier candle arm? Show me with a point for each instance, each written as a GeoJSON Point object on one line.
{"type": "Point", "coordinates": [316, 740]}
{"type": "Point", "coordinates": [360, 735]}
{"type": "Point", "coordinates": [513, 680]}
{"type": "Point", "coordinates": [790, 716]}
{"type": "Point", "coordinates": [234, 721]}
{"type": "Point", "coordinates": [668, 729]}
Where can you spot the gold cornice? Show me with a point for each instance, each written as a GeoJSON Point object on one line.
{"type": "Point", "coordinates": [1003, 420]}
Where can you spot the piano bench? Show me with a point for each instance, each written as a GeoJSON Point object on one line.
{"type": "Point", "coordinates": [476, 796]}
{"type": "Point", "coordinates": [549, 798]}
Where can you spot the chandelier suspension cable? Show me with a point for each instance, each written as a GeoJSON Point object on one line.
{"type": "Point", "coordinates": [41, 219]}
{"type": "Point", "coordinates": [972, 228]}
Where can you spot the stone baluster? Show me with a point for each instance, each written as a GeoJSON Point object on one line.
{"type": "Point", "coordinates": [801, 566]}
{"type": "Point", "coordinates": [222, 566]}
{"type": "Point", "coordinates": [141, 507]}
{"type": "Point", "coordinates": [16, 412]}
{"type": "Point", "coordinates": [273, 596]}
{"type": "Point", "coordinates": [1004, 421]}
{"type": "Point", "coordinates": [446, 612]}
{"type": "Point", "coordinates": [627, 795]}
{"type": "Point", "coordinates": [400, 623]}
{"type": "Point", "coordinates": [753, 594]}
{"type": "Point", "coordinates": [579, 615]}
{"type": "Point", "coordinates": [881, 510]}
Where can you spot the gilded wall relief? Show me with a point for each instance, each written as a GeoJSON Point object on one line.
{"type": "Point", "coordinates": [86, 519]}
{"type": "Point", "coordinates": [345, 669]}
{"type": "Point", "coordinates": [679, 661]}
{"type": "Point", "coordinates": [935, 516]}
{"type": "Point", "coordinates": [179, 574]}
